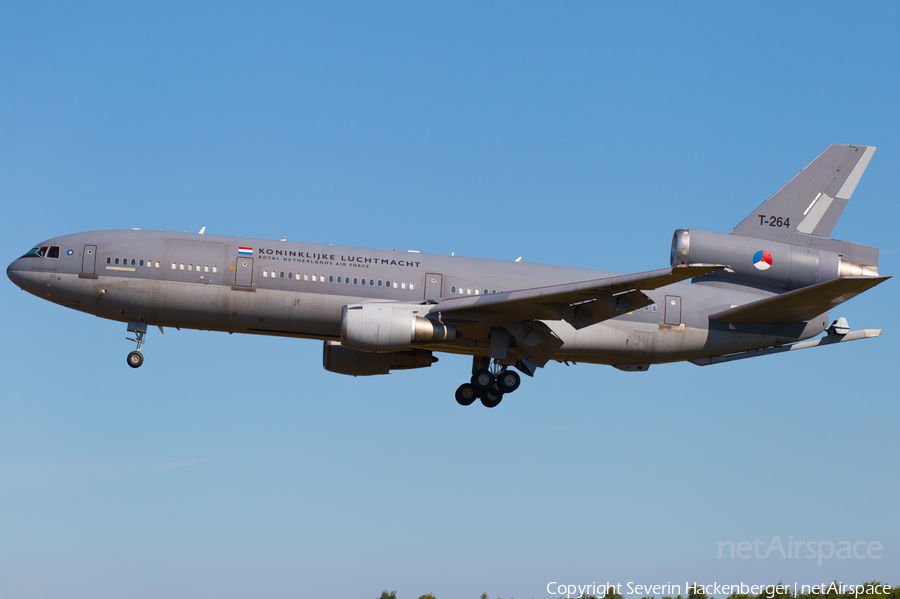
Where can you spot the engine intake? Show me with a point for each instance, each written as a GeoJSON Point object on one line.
{"type": "Point", "coordinates": [343, 360]}
{"type": "Point", "coordinates": [389, 328]}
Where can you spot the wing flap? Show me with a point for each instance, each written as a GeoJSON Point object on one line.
{"type": "Point", "coordinates": [799, 305]}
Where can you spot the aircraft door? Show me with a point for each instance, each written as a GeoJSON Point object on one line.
{"type": "Point", "coordinates": [243, 272]}
{"type": "Point", "coordinates": [673, 310]}
{"type": "Point", "coordinates": [433, 285]}
{"type": "Point", "coordinates": [89, 260]}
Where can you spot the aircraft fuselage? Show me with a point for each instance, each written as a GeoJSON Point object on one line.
{"type": "Point", "coordinates": [255, 286]}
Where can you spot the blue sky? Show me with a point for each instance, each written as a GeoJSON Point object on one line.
{"type": "Point", "coordinates": [579, 134]}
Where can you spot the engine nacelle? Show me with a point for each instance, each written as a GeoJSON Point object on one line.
{"type": "Point", "coordinates": [389, 328]}
{"type": "Point", "coordinates": [343, 360]}
{"type": "Point", "coordinates": [763, 262]}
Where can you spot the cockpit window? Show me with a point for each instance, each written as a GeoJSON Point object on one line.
{"type": "Point", "coordinates": [47, 251]}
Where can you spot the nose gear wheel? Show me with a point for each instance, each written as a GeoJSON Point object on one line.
{"type": "Point", "coordinates": [136, 358]}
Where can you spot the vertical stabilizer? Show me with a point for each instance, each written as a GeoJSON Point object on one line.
{"type": "Point", "coordinates": [811, 203]}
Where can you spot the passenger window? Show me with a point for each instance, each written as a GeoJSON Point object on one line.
{"type": "Point", "coordinates": [379, 282]}
{"type": "Point", "coordinates": [453, 290]}
{"type": "Point", "coordinates": [108, 260]}
{"type": "Point", "coordinates": [395, 284]}
{"type": "Point", "coordinates": [54, 252]}
{"type": "Point", "coordinates": [190, 267]}
{"type": "Point", "coordinates": [266, 273]}
{"type": "Point", "coordinates": [485, 292]}
{"type": "Point", "coordinates": [306, 277]}
{"type": "Point", "coordinates": [363, 282]}
{"type": "Point", "coordinates": [371, 282]}
{"type": "Point", "coordinates": [402, 285]}
{"type": "Point", "coordinates": [117, 260]}
{"type": "Point", "coordinates": [215, 269]}
{"type": "Point", "coordinates": [314, 277]}
{"type": "Point", "coordinates": [206, 268]}
{"type": "Point", "coordinates": [339, 280]}
{"type": "Point", "coordinates": [476, 292]}
{"type": "Point", "coordinates": [132, 261]}
{"type": "Point", "coordinates": [387, 283]}
{"type": "Point", "coordinates": [355, 281]}
{"type": "Point", "coordinates": [412, 285]}
{"type": "Point", "coordinates": [173, 266]}
{"type": "Point", "coordinates": [331, 279]}
{"type": "Point", "coordinates": [282, 275]}
{"type": "Point", "coordinates": [468, 291]}
{"type": "Point", "coordinates": [156, 264]}
{"type": "Point", "coordinates": [181, 266]}
{"type": "Point", "coordinates": [290, 275]}
{"type": "Point", "coordinates": [142, 262]}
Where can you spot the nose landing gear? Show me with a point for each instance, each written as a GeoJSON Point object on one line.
{"type": "Point", "coordinates": [488, 383]}
{"type": "Point", "coordinates": [136, 358]}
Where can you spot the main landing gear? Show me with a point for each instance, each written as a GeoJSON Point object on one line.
{"type": "Point", "coordinates": [136, 358]}
{"type": "Point", "coordinates": [489, 384]}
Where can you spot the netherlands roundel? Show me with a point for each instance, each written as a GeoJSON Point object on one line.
{"type": "Point", "coordinates": [762, 260]}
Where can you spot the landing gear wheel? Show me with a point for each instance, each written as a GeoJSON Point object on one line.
{"type": "Point", "coordinates": [491, 399]}
{"type": "Point", "coordinates": [466, 394]}
{"type": "Point", "coordinates": [482, 379]}
{"type": "Point", "coordinates": [135, 359]}
{"type": "Point", "coordinates": [509, 381]}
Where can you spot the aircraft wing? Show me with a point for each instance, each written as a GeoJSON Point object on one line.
{"type": "Point", "coordinates": [799, 305]}
{"type": "Point", "coordinates": [580, 304]}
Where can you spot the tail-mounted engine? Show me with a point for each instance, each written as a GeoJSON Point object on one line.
{"type": "Point", "coordinates": [763, 262]}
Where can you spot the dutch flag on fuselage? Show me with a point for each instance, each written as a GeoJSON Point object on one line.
{"type": "Point", "coordinates": [245, 251]}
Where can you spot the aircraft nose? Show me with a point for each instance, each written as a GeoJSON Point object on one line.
{"type": "Point", "coordinates": [16, 273]}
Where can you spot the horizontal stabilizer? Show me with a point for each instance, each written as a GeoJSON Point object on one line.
{"type": "Point", "coordinates": [799, 305]}
{"type": "Point", "coordinates": [820, 342]}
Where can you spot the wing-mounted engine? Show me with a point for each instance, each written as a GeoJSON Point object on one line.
{"type": "Point", "coordinates": [773, 264]}
{"type": "Point", "coordinates": [390, 328]}
{"type": "Point", "coordinates": [343, 360]}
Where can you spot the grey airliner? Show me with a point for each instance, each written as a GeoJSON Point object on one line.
{"type": "Point", "coordinates": [766, 287]}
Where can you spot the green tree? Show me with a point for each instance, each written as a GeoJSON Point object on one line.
{"type": "Point", "coordinates": [386, 595]}
{"type": "Point", "coordinates": [427, 596]}
{"type": "Point", "coordinates": [695, 591]}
